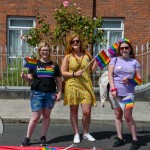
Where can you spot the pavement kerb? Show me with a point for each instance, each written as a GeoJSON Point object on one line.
{"type": "Point", "coordinates": [19, 111]}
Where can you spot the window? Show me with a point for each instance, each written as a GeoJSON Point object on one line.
{"type": "Point", "coordinates": [16, 28]}
{"type": "Point", "coordinates": [114, 31]}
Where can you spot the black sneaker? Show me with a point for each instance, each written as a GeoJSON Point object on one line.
{"type": "Point", "coordinates": [119, 142]}
{"type": "Point", "coordinates": [134, 145]}
{"type": "Point", "coordinates": [43, 140]}
{"type": "Point", "coordinates": [25, 142]}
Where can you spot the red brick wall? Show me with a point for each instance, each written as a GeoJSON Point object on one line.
{"type": "Point", "coordinates": [136, 14]}
{"type": "Point", "coordinates": [30, 7]}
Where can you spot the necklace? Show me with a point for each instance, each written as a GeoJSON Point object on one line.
{"type": "Point", "coordinates": [78, 59]}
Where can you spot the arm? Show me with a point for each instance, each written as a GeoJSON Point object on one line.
{"type": "Point", "coordinates": [94, 67]}
{"type": "Point", "coordinates": [27, 77]}
{"type": "Point", "coordinates": [111, 80]}
{"type": "Point", "coordinates": [59, 88]}
{"type": "Point", "coordinates": [138, 73]}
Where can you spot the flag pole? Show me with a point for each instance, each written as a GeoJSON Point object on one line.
{"type": "Point", "coordinates": [90, 62]}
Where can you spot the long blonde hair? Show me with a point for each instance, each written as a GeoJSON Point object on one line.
{"type": "Point", "coordinates": [42, 44]}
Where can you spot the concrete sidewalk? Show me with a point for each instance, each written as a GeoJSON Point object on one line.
{"type": "Point", "coordinates": [19, 110]}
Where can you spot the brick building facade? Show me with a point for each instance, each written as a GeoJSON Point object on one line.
{"type": "Point", "coordinates": [130, 18]}
{"type": "Point", "coordinates": [135, 14]}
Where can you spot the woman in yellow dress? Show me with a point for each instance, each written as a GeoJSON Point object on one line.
{"type": "Point", "coordinates": [78, 87]}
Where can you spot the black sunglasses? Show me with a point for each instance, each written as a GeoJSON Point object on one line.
{"type": "Point", "coordinates": [73, 41]}
{"type": "Point", "coordinates": [45, 50]}
{"type": "Point", "coordinates": [126, 48]}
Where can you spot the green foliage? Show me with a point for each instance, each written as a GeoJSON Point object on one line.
{"type": "Point", "coordinates": [11, 76]}
{"type": "Point", "coordinates": [68, 19]}
{"type": "Point", "coordinates": [41, 32]}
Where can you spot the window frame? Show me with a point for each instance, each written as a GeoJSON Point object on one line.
{"type": "Point", "coordinates": [9, 27]}
{"type": "Point", "coordinates": [121, 29]}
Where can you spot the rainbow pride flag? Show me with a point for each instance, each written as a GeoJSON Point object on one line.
{"type": "Point", "coordinates": [136, 81]}
{"type": "Point", "coordinates": [128, 103]}
{"type": "Point", "coordinates": [47, 72]}
{"type": "Point", "coordinates": [48, 148]}
{"type": "Point", "coordinates": [102, 59]}
{"type": "Point", "coordinates": [113, 50]}
{"type": "Point", "coordinates": [29, 63]}
{"type": "Point", "coordinates": [5, 147]}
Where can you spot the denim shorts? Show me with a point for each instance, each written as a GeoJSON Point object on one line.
{"type": "Point", "coordinates": [40, 100]}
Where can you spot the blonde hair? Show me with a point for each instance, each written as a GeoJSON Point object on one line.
{"type": "Point", "coordinates": [42, 44]}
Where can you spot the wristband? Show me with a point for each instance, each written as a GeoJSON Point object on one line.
{"type": "Point", "coordinates": [113, 89]}
{"type": "Point", "coordinates": [73, 74]}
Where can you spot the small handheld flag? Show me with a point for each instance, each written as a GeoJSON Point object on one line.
{"type": "Point", "coordinates": [128, 103]}
{"type": "Point", "coordinates": [30, 63]}
{"type": "Point", "coordinates": [136, 81]}
{"type": "Point", "coordinates": [113, 50]}
{"type": "Point", "coordinates": [102, 59]}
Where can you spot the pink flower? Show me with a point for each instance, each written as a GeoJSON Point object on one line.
{"type": "Point", "coordinates": [22, 37]}
{"type": "Point", "coordinates": [79, 9]}
{"type": "Point", "coordinates": [65, 3]}
{"type": "Point", "coordinates": [30, 37]}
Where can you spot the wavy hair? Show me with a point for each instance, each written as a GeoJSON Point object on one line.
{"type": "Point", "coordinates": [70, 50]}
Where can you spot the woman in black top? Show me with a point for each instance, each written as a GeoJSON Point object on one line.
{"type": "Point", "coordinates": [44, 79]}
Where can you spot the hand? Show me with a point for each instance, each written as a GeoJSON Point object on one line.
{"type": "Point", "coordinates": [78, 73]}
{"type": "Point", "coordinates": [58, 95]}
{"type": "Point", "coordinates": [114, 93]}
{"type": "Point", "coordinates": [23, 75]}
{"type": "Point", "coordinates": [125, 80]}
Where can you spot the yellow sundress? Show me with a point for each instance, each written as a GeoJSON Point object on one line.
{"type": "Point", "coordinates": [79, 90]}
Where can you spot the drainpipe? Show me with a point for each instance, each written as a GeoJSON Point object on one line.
{"type": "Point", "coordinates": [94, 8]}
{"type": "Point", "coordinates": [93, 15]}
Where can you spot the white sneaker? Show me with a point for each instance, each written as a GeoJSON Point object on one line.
{"type": "Point", "coordinates": [89, 137]}
{"type": "Point", "coordinates": [76, 138]}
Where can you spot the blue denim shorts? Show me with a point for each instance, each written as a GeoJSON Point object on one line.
{"type": "Point", "coordinates": [40, 100]}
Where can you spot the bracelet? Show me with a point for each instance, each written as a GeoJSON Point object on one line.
{"type": "Point", "coordinates": [113, 89]}
{"type": "Point", "coordinates": [73, 74]}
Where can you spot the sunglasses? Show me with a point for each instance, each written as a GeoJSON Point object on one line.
{"type": "Point", "coordinates": [75, 41]}
{"type": "Point", "coordinates": [126, 48]}
{"type": "Point", "coordinates": [45, 51]}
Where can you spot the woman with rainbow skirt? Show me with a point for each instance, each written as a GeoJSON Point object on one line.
{"type": "Point", "coordinates": [44, 76]}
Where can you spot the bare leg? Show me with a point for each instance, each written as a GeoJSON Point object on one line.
{"type": "Point", "coordinates": [74, 117]}
{"type": "Point", "coordinates": [46, 120]}
{"type": "Point", "coordinates": [86, 118]}
{"type": "Point", "coordinates": [130, 122]}
{"type": "Point", "coordinates": [118, 121]}
{"type": "Point", "coordinates": [33, 122]}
